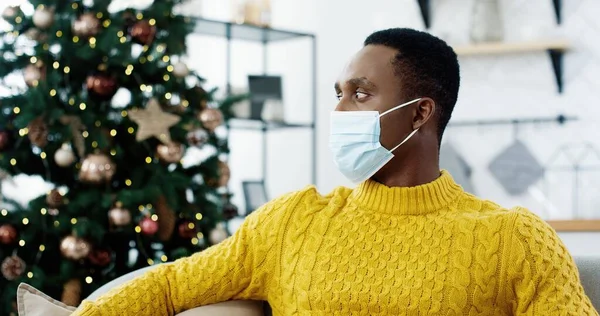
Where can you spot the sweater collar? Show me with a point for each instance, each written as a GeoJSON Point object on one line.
{"type": "Point", "coordinates": [418, 200]}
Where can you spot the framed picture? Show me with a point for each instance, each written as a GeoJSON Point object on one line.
{"type": "Point", "coordinates": [265, 90]}
{"type": "Point", "coordinates": [255, 195]}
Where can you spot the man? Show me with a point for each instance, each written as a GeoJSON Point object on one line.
{"type": "Point", "coordinates": [407, 241]}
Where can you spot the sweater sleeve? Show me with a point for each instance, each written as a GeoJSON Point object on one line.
{"type": "Point", "coordinates": [542, 276]}
{"type": "Point", "coordinates": [237, 268]}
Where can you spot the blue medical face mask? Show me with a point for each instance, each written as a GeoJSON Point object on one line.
{"type": "Point", "coordinates": [354, 142]}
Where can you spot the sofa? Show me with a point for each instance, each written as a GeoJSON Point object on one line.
{"type": "Point", "coordinates": [33, 303]}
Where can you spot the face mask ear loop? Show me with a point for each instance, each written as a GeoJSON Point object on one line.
{"type": "Point", "coordinates": [399, 106]}
{"type": "Point", "coordinates": [405, 140]}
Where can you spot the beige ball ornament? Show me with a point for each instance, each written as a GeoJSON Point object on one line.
{"type": "Point", "coordinates": [74, 248]}
{"type": "Point", "coordinates": [33, 75]}
{"type": "Point", "coordinates": [43, 17]}
{"type": "Point", "coordinates": [119, 216]}
{"type": "Point", "coordinates": [218, 234]}
{"type": "Point", "coordinates": [96, 169]}
{"type": "Point", "coordinates": [64, 156]}
{"type": "Point", "coordinates": [180, 70]}
{"type": "Point", "coordinates": [86, 25]}
{"type": "Point", "coordinates": [170, 153]}
{"type": "Point", "coordinates": [211, 118]}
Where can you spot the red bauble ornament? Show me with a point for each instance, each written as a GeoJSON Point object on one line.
{"type": "Point", "coordinates": [8, 234]}
{"type": "Point", "coordinates": [102, 85]}
{"type": "Point", "coordinates": [100, 257]}
{"type": "Point", "coordinates": [148, 226]}
{"type": "Point", "coordinates": [230, 211]}
{"type": "Point", "coordinates": [143, 32]}
{"type": "Point", "coordinates": [187, 230]}
{"type": "Point", "coordinates": [4, 140]}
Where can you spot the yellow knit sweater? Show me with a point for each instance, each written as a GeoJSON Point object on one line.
{"type": "Point", "coordinates": [374, 250]}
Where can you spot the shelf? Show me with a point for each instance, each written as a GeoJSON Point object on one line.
{"type": "Point", "coordinates": [555, 50]}
{"type": "Point", "coordinates": [246, 32]}
{"type": "Point", "coordinates": [511, 48]}
{"type": "Point", "coordinates": [246, 124]}
{"type": "Point", "coordinates": [425, 8]}
{"type": "Point", "coordinates": [575, 225]}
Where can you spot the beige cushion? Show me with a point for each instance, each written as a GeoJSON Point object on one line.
{"type": "Point", "coordinates": [32, 302]}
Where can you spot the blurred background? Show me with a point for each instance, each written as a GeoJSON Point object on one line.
{"type": "Point", "coordinates": [524, 131]}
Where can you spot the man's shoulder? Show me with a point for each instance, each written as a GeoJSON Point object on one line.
{"type": "Point", "coordinates": [310, 198]}
{"type": "Point", "coordinates": [483, 208]}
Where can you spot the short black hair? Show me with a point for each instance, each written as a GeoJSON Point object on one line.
{"type": "Point", "coordinates": [427, 67]}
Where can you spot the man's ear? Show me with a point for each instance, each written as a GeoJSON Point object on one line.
{"type": "Point", "coordinates": [423, 112]}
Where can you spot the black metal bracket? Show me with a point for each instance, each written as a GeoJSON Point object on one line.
{"type": "Point", "coordinates": [559, 119]}
{"type": "Point", "coordinates": [424, 5]}
{"type": "Point", "coordinates": [556, 56]}
{"type": "Point", "coordinates": [557, 10]}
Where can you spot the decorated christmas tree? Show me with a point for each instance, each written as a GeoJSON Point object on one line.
{"type": "Point", "coordinates": [98, 104]}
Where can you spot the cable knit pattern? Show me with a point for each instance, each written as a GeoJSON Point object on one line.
{"type": "Point", "coordinates": [426, 250]}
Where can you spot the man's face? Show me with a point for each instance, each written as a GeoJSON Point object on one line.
{"type": "Point", "coordinates": [368, 83]}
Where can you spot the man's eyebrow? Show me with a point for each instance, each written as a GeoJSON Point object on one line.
{"type": "Point", "coordinates": [336, 86]}
{"type": "Point", "coordinates": [362, 82]}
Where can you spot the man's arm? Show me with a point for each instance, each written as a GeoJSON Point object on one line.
{"type": "Point", "coordinates": [237, 268]}
{"type": "Point", "coordinates": [542, 275]}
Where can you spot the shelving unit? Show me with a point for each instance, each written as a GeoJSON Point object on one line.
{"type": "Point", "coordinates": [425, 8]}
{"type": "Point", "coordinates": [554, 48]}
{"type": "Point", "coordinates": [264, 36]}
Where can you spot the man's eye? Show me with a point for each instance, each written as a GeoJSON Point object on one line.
{"type": "Point", "coordinates": [361, 95]}
{"type": "Point", "coordinates": [338, 96]}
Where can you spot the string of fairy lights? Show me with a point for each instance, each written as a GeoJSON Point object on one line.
{"type": "Point", "coordinates": [129, 71]}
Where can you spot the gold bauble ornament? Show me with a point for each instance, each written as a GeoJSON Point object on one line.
{"type": "Point", "coordinates": [43, 17]}
{"type": "Point", "coordinates": [224, 174]}
{"type": "Point", "coordinates": [64, 156]}
{"type": "Point", "coordinates": [71, 295]}
{"type": "Point", "coordinates": [170, 153]}
{"type": "Point", "coordinates": [12, 267]}
{"type": "Point", "coordinates": [38, 132]}
{"type": "Point", "coordinates": [54, 199]}
{"type": "Point", "coordinates": [33, 74]}
{"type": "Point", "coordinates": [86, 25]}
{"type": "Point", "coordinates": [180, 70]}
{"type": "Point", "coordinates": [211, 118]}
{"type": "Point", "coordinates": [10, 13]}
{"type": "Point", "coordinates": [36, 35]}
{"type": "Point", "coordinates": [97, 168]}
{"type": "Point", "coordinates": [74, 248]}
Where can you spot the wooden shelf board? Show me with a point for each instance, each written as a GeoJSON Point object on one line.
{"type": "Point", "coordinates": [575, 225]}
{"type": "Point", "coordinates": [511, 48]}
